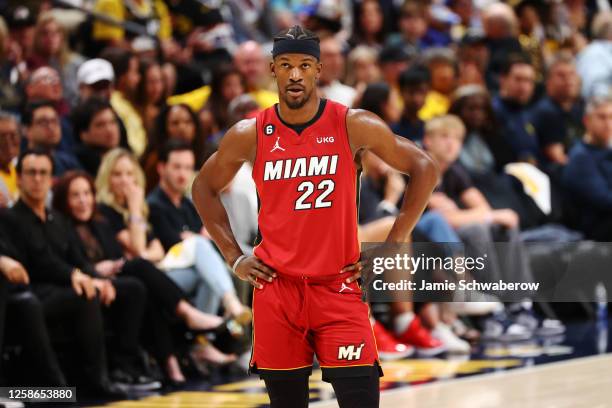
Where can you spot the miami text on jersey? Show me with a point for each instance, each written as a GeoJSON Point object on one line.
{"type": "Point", "coordinates": [300, 167]}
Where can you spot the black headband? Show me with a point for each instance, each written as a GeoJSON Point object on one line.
{"type": "Point", "coordinates": [287, 46]}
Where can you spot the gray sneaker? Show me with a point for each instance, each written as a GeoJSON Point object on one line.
{"type": "Point", "coordinates": [501, 328]}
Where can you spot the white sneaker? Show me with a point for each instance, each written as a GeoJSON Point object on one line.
{"type": "Point", "coordinates": [454, 344]}
{"type": "Point", "coordinates": [475, 308]}
{"type": "Point", "coordinates": [7, 403]}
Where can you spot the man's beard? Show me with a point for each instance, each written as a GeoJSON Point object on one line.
{"type": "Point", "coordinates": [177, 187]}
{"type": "Point", "coordinates": [49, 145]}
{"type": "Point", "coordinates": [297, 104]}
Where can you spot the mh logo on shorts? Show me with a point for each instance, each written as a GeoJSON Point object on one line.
{"type": "Point", "coordinates": [350, 352]}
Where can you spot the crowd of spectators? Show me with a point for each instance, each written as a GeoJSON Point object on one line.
{"type": "Point", "coordinates": [108, 107]}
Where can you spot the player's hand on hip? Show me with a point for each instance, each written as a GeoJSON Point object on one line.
{"type": "Point", "coordinates": [251, 269]}
{"type": "Point", "coordinates": [356, 268]}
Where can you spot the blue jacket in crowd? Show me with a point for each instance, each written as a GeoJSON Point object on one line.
{"type": "Point", "coordinates": [516, 129]}
{"type": "Point", "coordinates": [588, 180]}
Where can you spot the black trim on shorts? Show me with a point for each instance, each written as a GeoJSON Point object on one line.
{"type": "Point", "coordinates": [329, 373]}
{"type": "Point", "coordinates": [280, 374]}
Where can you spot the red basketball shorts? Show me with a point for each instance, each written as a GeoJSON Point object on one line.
{"type": "Point", "coordinates": [295, 318]}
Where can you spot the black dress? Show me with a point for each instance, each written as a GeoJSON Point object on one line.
{"type": "Point", "coordinates": [163, 295]}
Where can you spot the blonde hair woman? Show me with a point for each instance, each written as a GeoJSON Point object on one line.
{"type": "Point", "coordinates": [120, 195]}
{"type": "Point", "coordinates": [120, 184]}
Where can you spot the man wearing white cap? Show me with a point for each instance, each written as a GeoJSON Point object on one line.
{"type": "Point", "coordinates": [95, 77]}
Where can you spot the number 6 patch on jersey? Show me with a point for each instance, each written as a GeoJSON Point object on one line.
{"type": "Point", "coordinates": [269, 129]}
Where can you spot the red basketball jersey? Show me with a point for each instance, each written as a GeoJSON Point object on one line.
{"type": "Point", "coordinates": [307, 187]}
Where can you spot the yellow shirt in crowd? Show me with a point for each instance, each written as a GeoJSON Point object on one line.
{"type": "Point", "coordinates": [9, 180]}
{"type": "Point", "coordinates": [196, 99]}
{"type": "Point", "coordinates": [117, 10]}
{"type": "Point", "coordinates": [436, 104]}
{"type": "Point", "coordinates": [136, 134]}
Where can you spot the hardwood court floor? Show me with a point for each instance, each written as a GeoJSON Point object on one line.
{"type": "Point", "coordinates": [569, 372]}
{"type": "Point", "coordinates": [584, 382]}
{"type": "Point", "coordinates": [578, 383]}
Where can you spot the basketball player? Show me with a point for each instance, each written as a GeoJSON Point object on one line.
{"type": "Point", "coordinates": [305, 153]}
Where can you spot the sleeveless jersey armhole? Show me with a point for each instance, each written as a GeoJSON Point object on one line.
{"type": "Point", "coordinates": [256, 160]}
{"type": "Point", "coordinates": [347, 141]}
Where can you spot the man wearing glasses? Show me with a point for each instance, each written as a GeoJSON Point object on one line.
{"type": "Point", "coordinates": [45, 84]}
{"type": "Point", "coordinates": [61, 278]}
{"type": "Point", "coordinates": [42, 130]}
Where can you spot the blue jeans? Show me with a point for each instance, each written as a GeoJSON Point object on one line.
{"type": "Point", "coordinates": [433, 225]}
{"type": "Point", "coordinates": [208, 280]}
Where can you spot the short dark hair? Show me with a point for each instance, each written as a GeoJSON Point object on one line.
{"type": "Point", "coordinates": [119, 59]}
{"type": "Point", "coordinates": [515, 58]}
{"type": "Point", "coordinates": [439, 55]}
{"type": "Point", "coordinates": [34, 151]}
{"type": "Point", "coordinates": [83, 115]}
{"type": "Point", "coordinates": [28, 112]}
{"type": "Point", "coordinates": [413, 76]}
{"type": "Point", "coordinates": [173, 145]}
{"type": "Point", "coordinates": [560, 58]}
{"type": "Point", "coordinates": [397, 53]}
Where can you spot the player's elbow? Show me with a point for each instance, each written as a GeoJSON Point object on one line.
{"type": "Point", "coordinates": [198, 183]}
{"type": "Point", "coordinates": [426, 166]}
{"type": "Point", "coordinates": [200, 187]}
{"type": "Point", "coordinates": [206, 184]}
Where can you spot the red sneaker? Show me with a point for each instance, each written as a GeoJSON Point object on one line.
{"type": "Point", "coordinates": [389, 348]}
{"type": "Point", "coordinates": [418, 336]}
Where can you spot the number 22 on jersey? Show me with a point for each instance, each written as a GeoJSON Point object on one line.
{"type": "Point", "coordinates": [307, 188]}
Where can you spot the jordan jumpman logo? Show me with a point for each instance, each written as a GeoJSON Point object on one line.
{"type": "Point", "coordinates": [343, 287]}
{"type": "Point", "coordinates": [277, 146]}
